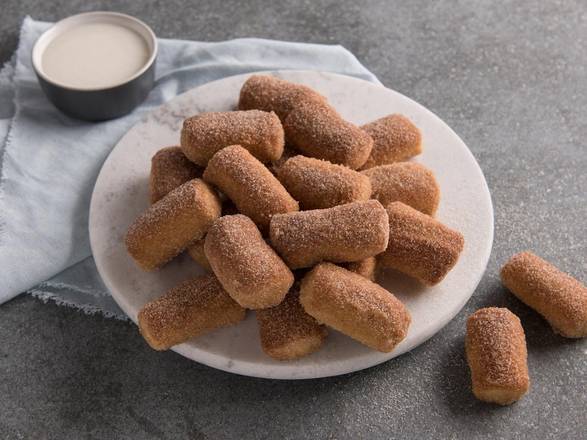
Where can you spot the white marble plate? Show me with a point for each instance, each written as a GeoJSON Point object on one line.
{"type": "Point", "coordinates": [121, 193]}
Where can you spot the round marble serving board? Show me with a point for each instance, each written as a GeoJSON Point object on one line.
{"type": "Point", "coordinates": [121, 194]}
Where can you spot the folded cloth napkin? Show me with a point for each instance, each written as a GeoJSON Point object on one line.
{"type": "Point", "coordinates": [49, 162]}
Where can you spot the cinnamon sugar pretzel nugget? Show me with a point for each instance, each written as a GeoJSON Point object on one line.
{"type": "Point", "coordinates": [319, 131]}
{"type": "Point", "coordinates": [355, 306]}
{"type": "Point", "coordinates": [172, 224]}
{"type": "Point", "coordinates": [419, 245]}
{"type": "Point", "coordinates": [407, 182]}
{"type": "Point", "coordinates": [258, 132]}
{"type": "Point", "coordinates": [496, 352]}
{"type": "Point", "coordinates": [318, 183]}
{"type": "Point", "coordinates": [250, 271]}
{"type": "Point", "coordinates": [190, 309]}
{"type": "Point", "coordinates": [249, 184]}
{"type": "Point", "coordinates": [558, 297]}
{"type": "Point", "coordinates": [269, 93]}
{"type": "Point", "coordinates": [344, 233]}
{"type": "Point", "coordinates": [395, 138]}
{"type": "Point", "coordinates": [170, 169]}
{"type": "Point", "coordinates": [287, 331]}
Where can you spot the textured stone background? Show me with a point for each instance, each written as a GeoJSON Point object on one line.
{"type": "Point", "coordinates": [510, 77]}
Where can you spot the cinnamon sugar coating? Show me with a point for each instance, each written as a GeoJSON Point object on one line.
{"type": "Point", "coordinates": [249, 184]}
{"type": "Point", "coordinates": [407, 182]}
{"type": "Point", "coordinates": [169, 226]}
{"type": "Point", "coordinates": [190, 309]}
{"type": "Point", "coordinates": [258, 132]}
{"type": "Point", "coordinates": [287, 331]}
{"type": "Point", "coordinates": [269, 93]}
{"type": "Point", "coordinates": [496, 352]}
{"type": "Point", "coordinates": [557, 296]}
{"type": "Point", "coordinates": [395, 138]}
{"type": "Point", "coordinates": [319, 184]}
{"type": "Point", "coordinates": [341, 234]}
{"type": "Point", "coordinates": [419, 245]}
{"type": "Point", "coordinates": [250, 271]}
{"type": "Point", "coordinates": [196, 249]}
{"type": "Point", "coordinates": [319, 131]}
{"type": "Point", "coordinates": [354, 306]}
{"type": "Point", "coordinates": [196, 252]}
{"type": "Point", "coordinates": [170, 169]}
{"type": "Point", "coordinates": [366, 268]}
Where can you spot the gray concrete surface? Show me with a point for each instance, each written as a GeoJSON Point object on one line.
{"type": "Point", "coordinates": [510, 78]}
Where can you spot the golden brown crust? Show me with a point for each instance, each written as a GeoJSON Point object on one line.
{"type": "Point", "coordinates": [341, 234]}
{"type": "Point", "coordinates": [258, 132]}
{"type": "Point", "coordinates": [319, 184]}
{"type": "Point", "coordinates": [190, 309]}
{"type": "Point", "coordinates": [169, 226]}
{"type": "Point", "coordinates": [249, 184]}
{"type": "Point", "coordinates": [319, 131]}
{"type": "Point", "coordinates": [496, 352]}
{"type": "Point", "coordinates": [395, 138]}
{"type": "Point", "coordinates": [170, 169]}
{"type": "Point", "coordinates": [250, 271]}
{"type": "Point", "coordinates": [354, 306]}
{"type": "Point", "coordinates": [287, 331]}
{"type": "Point", "coordinates": [366, 268]}
{"type": "Point", "coordinates": [269, 93]}
{"type": "Point", "coordinates": [407, 182]}
{"type": "Point", "coordinates": [419, 245]}
{"type": "Point", "coordinates": [558, 297]}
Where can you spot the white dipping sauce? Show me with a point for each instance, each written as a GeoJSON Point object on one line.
{"type": "Point", "coordinates": [95, 55]}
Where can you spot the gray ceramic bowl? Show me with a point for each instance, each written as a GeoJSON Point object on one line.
{"type": "Point", "coordinates": [97, 104]}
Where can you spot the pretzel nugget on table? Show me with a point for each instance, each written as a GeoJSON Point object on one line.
{"type": "Point", "coordinates": [495, 345]}
{"type": "Point", "coordinates": [557, 296]}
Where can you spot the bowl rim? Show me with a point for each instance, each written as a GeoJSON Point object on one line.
{"type": "Point", "coordinates": [49, 34]}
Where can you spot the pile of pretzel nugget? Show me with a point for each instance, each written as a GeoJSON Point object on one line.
{"type": "Point", "coordinates": [293, 211]}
